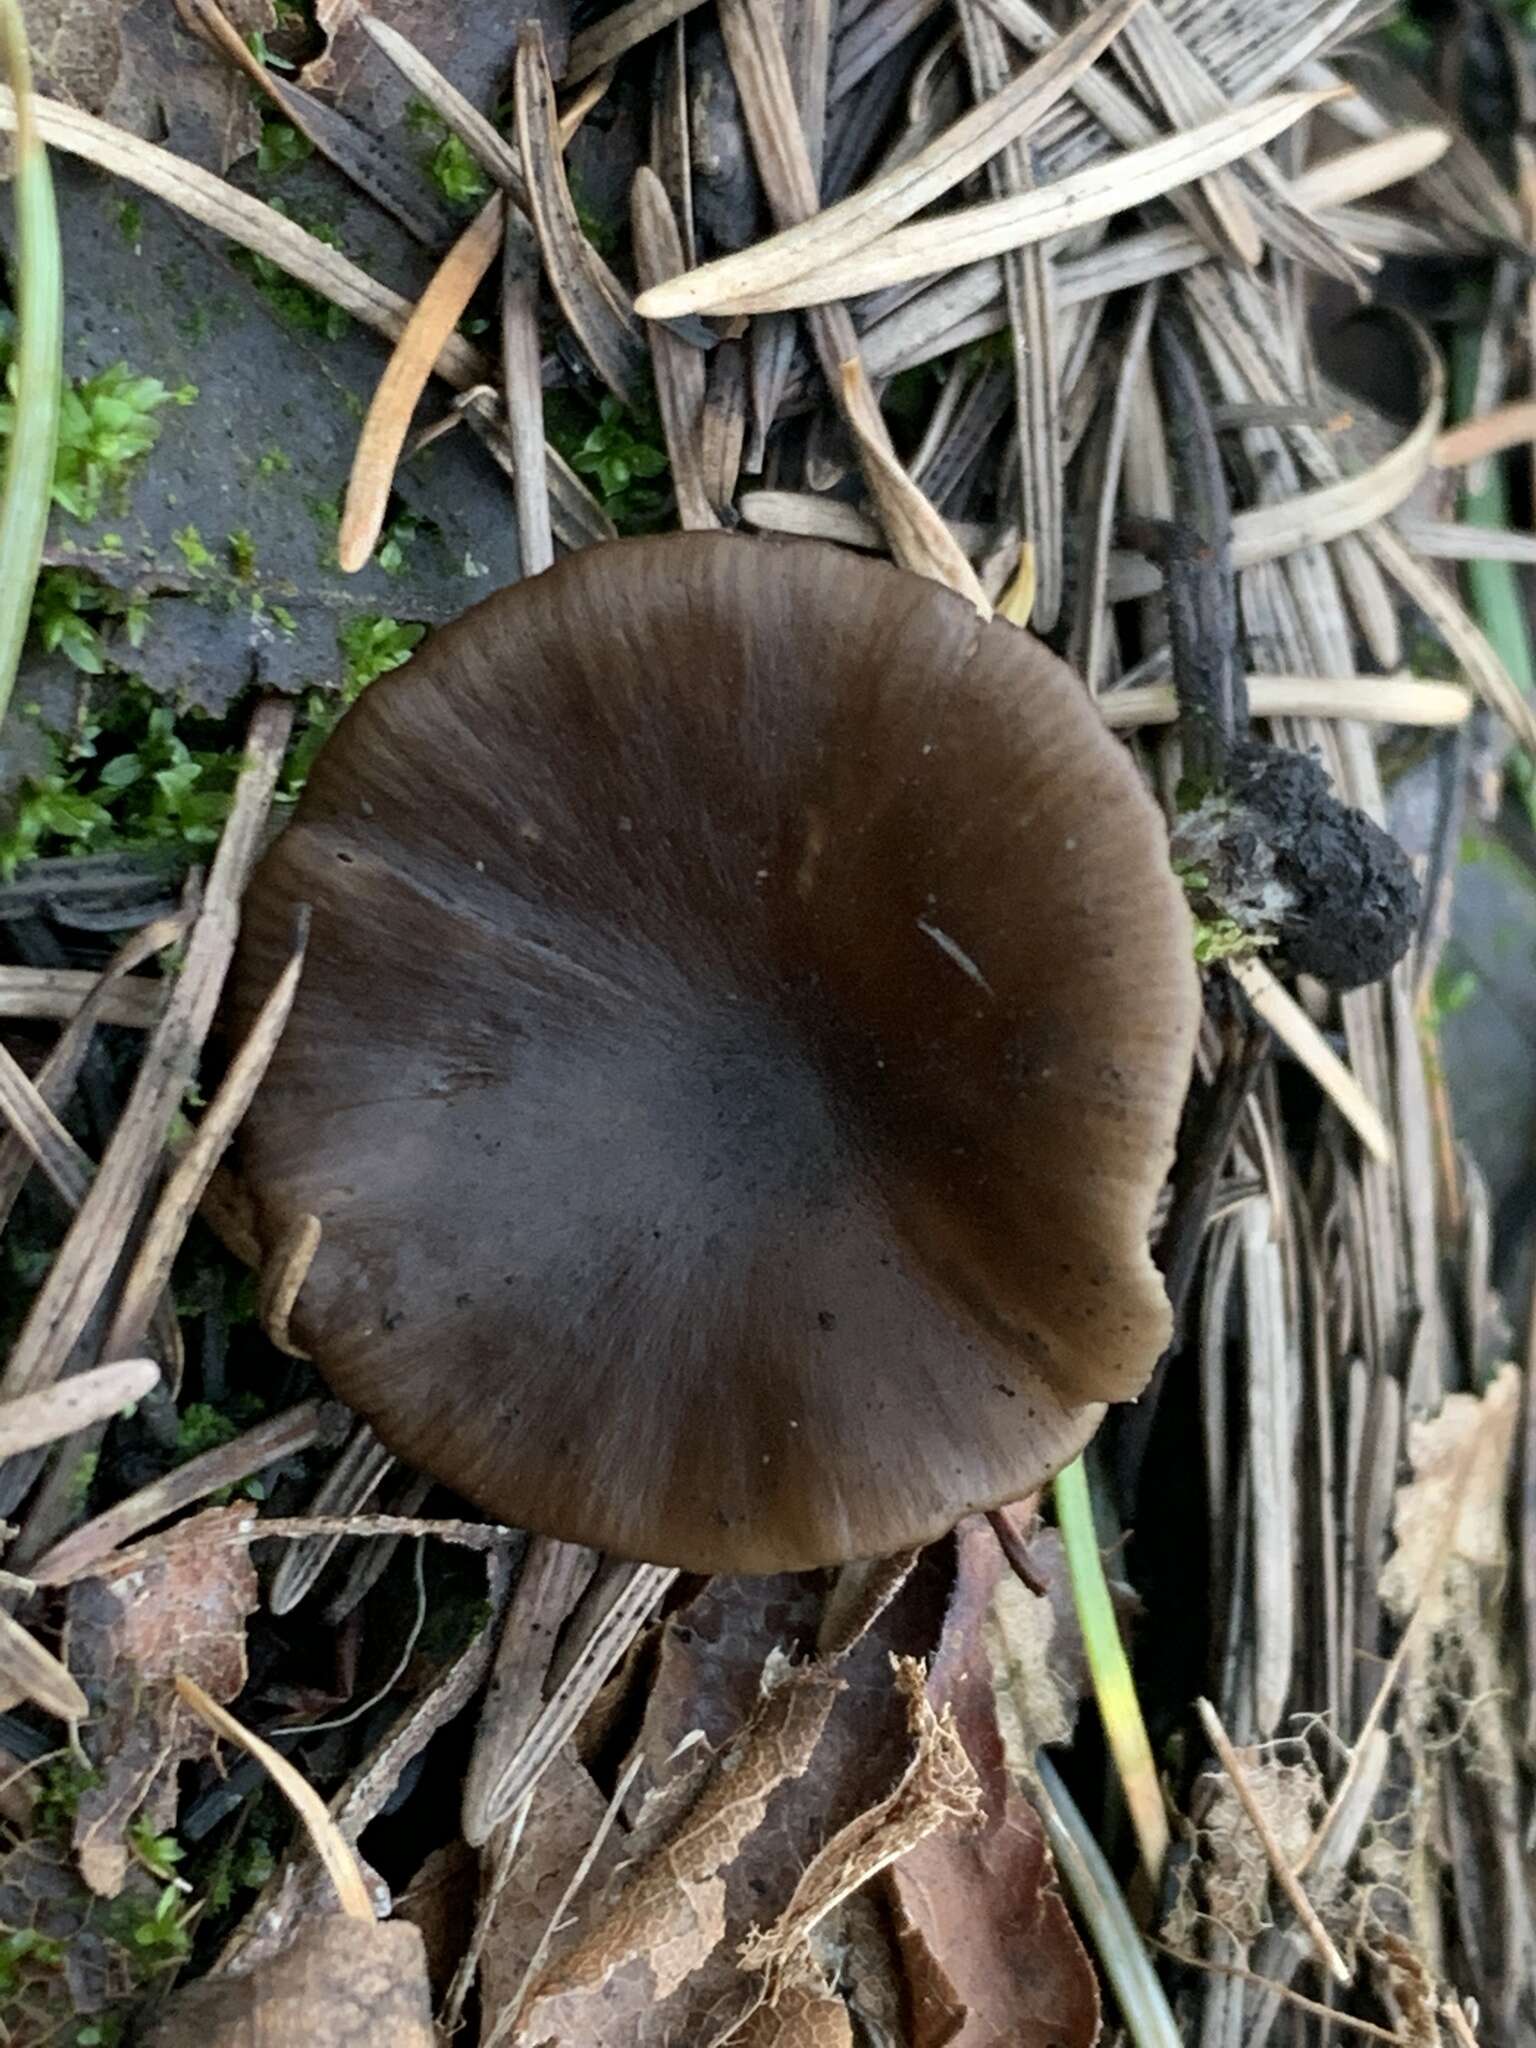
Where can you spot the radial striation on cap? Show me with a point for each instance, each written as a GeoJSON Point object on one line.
{"type": "Point", "coordinates": [743, 1033]}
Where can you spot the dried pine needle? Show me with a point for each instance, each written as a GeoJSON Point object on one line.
{"type": "Point", "coordinates": [427, 332]}
{"type": "Point", "coordinates": [1127, 179]}
{"type": "Point", "coordinates": [330, 1845]}
{"type": "Point", "coordinates": [1377, 700]}
{"type": "Point", "coordinates": [852, 224]}
{"type": "Point", "coordinates": [1301, 1037]}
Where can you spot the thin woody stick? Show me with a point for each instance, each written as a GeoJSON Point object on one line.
{"type": "Point", "coordinates": [1285, 1877]}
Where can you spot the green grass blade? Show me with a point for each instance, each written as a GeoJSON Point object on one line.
{"type": "Point", "coordinates": [1113, 1687]}
{"type": "Point", "coordinates": [1493, 588]}
{"type": "Point", "coordinates": [1137, 1987]}
{"type": "Point", "coordinates": [38, 367]}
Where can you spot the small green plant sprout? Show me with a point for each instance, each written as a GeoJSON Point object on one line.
{"type": "Point", "coordinates": [158, 1853]}
{"type": "Point", "coordinates": [451, 167]}
{"type": "Point", "coordinates": [24, 1952]}
{"type": "Point", "coordinates": [242, 553]}
{"type": "Point", "coordinates": [620, 451]}
{"type": "Point", "coordinates": [370, 646]}
{"type": "Point", "coordinates": [132, 780]}
{"type": "Point", "coordinates": [395, 540]}
{"type": "Point", "coordinates": [157, 1933]}
{"type": "Point", "coordinates": [281, 145]}
{"type": "Point", "coordinates": [67, 611]}
{"type": "Point", "coordinates": [456, 174]}
{"type": "Point", "coordinates": [106, 424]}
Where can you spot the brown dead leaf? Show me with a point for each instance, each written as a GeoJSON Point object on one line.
{"type": "Point", "coordinates": [672, 1914]}
{"type": "Point", "coordinates": [473, 47]}
{"type": "Point", "coordinates": [565, 1816]}
{"type": "Point", "coordinates": [177, 1608]}
{"type": "Point", "coordinates": [77, 48]}
{"type": "Point", "coordinates": [1035, 1643]}
{"type": "Point", "coordinates": [1233, 1870]}
{"type": "Point", "coordinates": [440, 1903]}
{"type": "Point", "coordinates": [1449, 1519]}
{"type": "Point", "coordinates": [939, 1789]}
{"type": "Point", "coordinates": [140, 67]}
{"type": "Point", "coordinates": [991, 1956]}
{"type": "Point", "coordinates": [704, 1684]}
{"type": "Point", "coordinates": [349, 1983]}
{"type": "Point", "coordinates": [804, 2015]}
{"type": "Point", "coordinates": [1408, 1979]}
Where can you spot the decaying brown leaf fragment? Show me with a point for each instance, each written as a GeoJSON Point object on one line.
{"type": "Point", "coordinates": [804, 2015]}
{"type": "Point", "coordinates": [992, 1959]}
{"type": "Point", "coordinates": [1449, 1520]}
{"type": "Point", "coordinates": [673, 1914]}
{"type": "Point", "coordinates": [349, 1983]}
{"type": "Point", "coordinates": [938, 1788]}
{"type": "Point", "coordinates": [131, 1629]}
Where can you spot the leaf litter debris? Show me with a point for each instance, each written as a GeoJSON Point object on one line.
{"type": "Point", "coordinates": [894, 275]}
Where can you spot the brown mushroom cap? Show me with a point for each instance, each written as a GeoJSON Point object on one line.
{"type": "Point", "coordinates": [743, 1034]}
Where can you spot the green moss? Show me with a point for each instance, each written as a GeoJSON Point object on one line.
{"type": "Point", "coordinates": [274, 463]}
{"type": "Point", "coordinates": [601, 233]}
{"type": "Point", "coordinates": [130, 222]}
{"type": "Point", "coordinates": [57, 1789]}
{"type": "Point", "coordinates": [1223, 938]}
{"type": "Point", "coordinates": [23, 1954]}
{"type": "Point", "coordinates": [246, 1855]}
{"type": "Point", "coordinates": [137, 773]}
{"type": "Point", "coordinates": [308, 311]}
{"type": "Point", "coordinates": [192, 548]}
{"type": "Point", "coordinates": [202, 1427]}
{"type": "Point", "coordinates": [83, 1477]}
{"type": "Point", "coordinates": [242, 553]}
